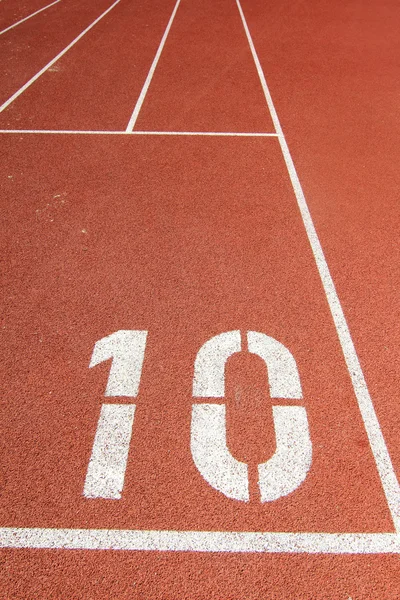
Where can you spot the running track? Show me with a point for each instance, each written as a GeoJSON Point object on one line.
{"type": "Point", "coordinates": [132, 202]}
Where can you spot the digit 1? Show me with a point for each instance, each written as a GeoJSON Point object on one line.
{"type": "Point", "coordinates": [126, 348]}
{"type": "Point", "coordinates": [107, 465]}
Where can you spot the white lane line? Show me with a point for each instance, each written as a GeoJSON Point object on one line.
{"type": "Point", "coordinates": [149, 77]}
{"type": "Point", "coordinates": [106, 471]}
{"type": "Point", "coordinates": [83, 132]}
{"type": "Point", "coordinates": [54, 60]}
{"type": "Point", "coordinates": [28, 17]}
{"type": "Point", "coordinates": [218, 133]}
{"type": "Point", "coordinates": [200, 541]}
{"type": "Point", "coordinates": [378, 446]}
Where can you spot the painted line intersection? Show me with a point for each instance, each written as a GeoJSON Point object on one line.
{"type": "Point", "coordinates": [228, 541]}
{"type": "Point", "coordinates": [196, 540]}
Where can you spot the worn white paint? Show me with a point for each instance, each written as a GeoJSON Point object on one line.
{"type": "Point", "coordinates": [209, 366]}
{"type": "Point", "coordinates": [126, 348]}
{"type": "Point", "coordinates": [211, 455]}
{"type": "Point", "coordinates": [107, 465]}
{"type": "Point", "coordinates": [283, 376]}
{"type": "Point", "coordinates": [288, 467]}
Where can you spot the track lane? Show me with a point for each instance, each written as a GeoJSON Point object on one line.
{"type": "Point", "coordinates": [30, 46]}
{"type": "Point", "coordinates": [29, 16]}
{"type": "Point", "coordinates": [343, 136]}
{"type": "Point", "coordinates": [85, 93]}
{"type": "Point", "coordinates": [11, 12]}
{"type": "Point", "coordinates": [126, 575]}
{"type": "Point", "coordinates": [109, 575]}
{"type": "Point", "coordinates": [93, 254]}
{"type": "Point", "coordinates": [203, 83]}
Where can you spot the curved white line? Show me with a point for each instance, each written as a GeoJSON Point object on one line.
{"type": "Point", "coordinates": [288, 467]}
{"type": "Point", "coordinates": [209, 366]}
{"type": "Point", "coordinates": [283, 376]}
{"type": "Point", "coordinates": [211, 454]}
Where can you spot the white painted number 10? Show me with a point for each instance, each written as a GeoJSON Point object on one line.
{"type": "Point", "coordinates": [279, 476]}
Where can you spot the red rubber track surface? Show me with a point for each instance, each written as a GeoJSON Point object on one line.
{"type": "Point", "coordinates": [338, 105]}
{"type": "Point", "coordinates": [12, 12]}
{"type": "Point", "coordinates": [190, 237]}
{"type": "Point", "coordinates": [212, 77]}
{"type": "Point", "coordinates": [100, 78]}
{"type": "Point", "coordinates": [44, 574]}
{"type": "Point", "coordinates": [103, 256]}
{"type": "Point", "coordinates": [30, 46]}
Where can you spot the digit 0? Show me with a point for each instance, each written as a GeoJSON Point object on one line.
{"type": "Point", "coordinates": [289, 465]}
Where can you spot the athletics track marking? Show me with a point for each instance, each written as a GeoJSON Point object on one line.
{"type": "Point", "coordinates": [28, 17]}
{"type": "Point", "coordinates": [54, 60]}
{"type": "Point", "coordinates": [187, 133]}
{"type": "Point", "coordinates": [150, 74]}
{"type": "Point", "coordinates": [378, 446]}
{"type": "Point", "coordinates": [205, 541]}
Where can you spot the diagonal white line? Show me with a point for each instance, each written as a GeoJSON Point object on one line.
{"type": "Point", "coordinates": [378, 446]}
{"type": "Point", "coordinates": [149, 77]}
{"type": "Point", "coordinates": [28, 17]}
{"type": "Point", "coordinates": [35, 77]}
